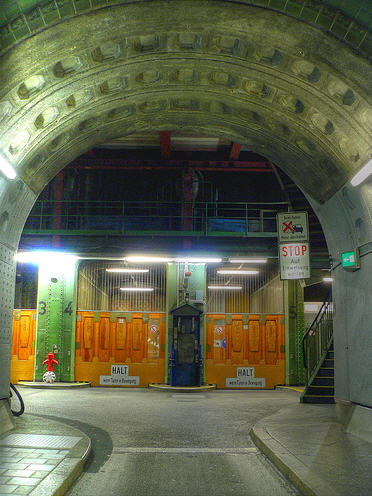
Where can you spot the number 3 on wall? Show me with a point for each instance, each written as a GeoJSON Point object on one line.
{"type": "Point", "coordinates": [42, 308]}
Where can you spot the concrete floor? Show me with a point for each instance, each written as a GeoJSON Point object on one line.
{"type": "Point", "coordinates": [155, 443]}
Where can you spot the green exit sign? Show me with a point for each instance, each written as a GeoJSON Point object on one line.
{"type": "Point", "coordinates": [350, 260]}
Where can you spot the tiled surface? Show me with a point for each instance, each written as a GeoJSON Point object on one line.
{"type": "Point", "coordinates": [40, 441]}
{"type": "Point", "coordinates": [22, 469]}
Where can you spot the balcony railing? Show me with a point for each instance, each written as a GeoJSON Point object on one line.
{"type": "Point", "coordinates": [203, 218]}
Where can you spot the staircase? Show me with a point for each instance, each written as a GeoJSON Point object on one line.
{"type": "Point", "coordinates": [321, 389]}
{"type": "Point", "coordinates": [318, 357]}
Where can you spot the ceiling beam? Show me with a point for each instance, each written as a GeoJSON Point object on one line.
{"type": "Point", "coordinates": [235, 151]}
{"type": "Point", "coordinates": [165, 144]}
{"type": "Point", "coordinates": [128, 164]}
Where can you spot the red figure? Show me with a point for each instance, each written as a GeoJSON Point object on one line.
{"type": "Point", "coordinates": [50, 360]}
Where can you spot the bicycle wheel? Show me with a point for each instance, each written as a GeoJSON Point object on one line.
{"type": "Point", "coordinates": [16, 402]}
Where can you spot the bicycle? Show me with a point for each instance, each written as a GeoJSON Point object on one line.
{"type": "Point", "coordinates": [17, 405]}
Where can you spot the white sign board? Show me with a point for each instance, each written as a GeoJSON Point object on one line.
{"type": "Point", "coordinates": [245, 378]}
{"type": "Point", "coordinates": [292, 226]}
{"type": "Point", "coordinates": [258, 382]}
{"type": "Point", "coordinates": [124, 380]}
{"type": "Point", "coordinates": [119, 377]}
{"type": "Point", "coordinates": [294, 260]}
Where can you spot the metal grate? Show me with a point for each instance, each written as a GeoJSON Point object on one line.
{"type": "Point", "coordinates": [261, 293]}
{"type": "Point", "coordinates": [100, 290]}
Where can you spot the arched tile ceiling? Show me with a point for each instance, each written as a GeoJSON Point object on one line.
{"type": "Point", "coordinates": [298, 97]}
{"type": "Point", "coordinates": [349, 20]}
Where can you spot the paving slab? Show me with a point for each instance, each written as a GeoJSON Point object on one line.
{"type": "Point", "coordinates": [41, 457]}
{"type": "Point", "coordinates": [309, 445]}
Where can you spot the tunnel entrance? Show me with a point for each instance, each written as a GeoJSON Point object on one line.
{"type": "Point", "coordinates": [293, 94]}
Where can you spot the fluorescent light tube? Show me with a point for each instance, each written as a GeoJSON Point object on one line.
{"type": "Point", "coordinates": [199, 260]}
{"type": "Point", "coordinates": [238, 272]}
{"type": "Point", "coordinates": [248, 260]}
{"type": "Point", "coordinates": [311, 307]}
{"type": "Point", "coordinates": [6, 168]}
{"type": "Point", "coordinates": [128, 271]}
{"type": "Point", "coordinates": [362, 174]}
{"type": "Point", "coordinates": [327, 279]}
{"type": "Point", "coordinates": [45, 257]}
{"type": "Point", "coordinates": [225, 287]}
{"type": "Point", "coordinates": [136, 289]}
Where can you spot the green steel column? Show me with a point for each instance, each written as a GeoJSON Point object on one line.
{"type": "Point", "coordinates": [170, 302]}
{"type": "Point", "coordinates": [290, 332]}
{"type": "Point", "coordinates": [300, 329]}
{"type": "Point", "coordinates": [56, 316]}
{"type": "Point", "coordinates": [294, 330]}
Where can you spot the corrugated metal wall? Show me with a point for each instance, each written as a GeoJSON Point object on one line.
{"type": "Point", "coordinates": [261, 293]}
{"type": "Point", "coordinates": [100, 290]}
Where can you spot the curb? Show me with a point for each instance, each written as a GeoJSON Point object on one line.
{"type": "Point", "coordinates": [183, 389]}
{"type": "Point", "coordinates": [53, 385]}
{"type": "Point", "coordinates": [62, 477]}
{"type": "Point", "coordinates": [59, 481]}
{"type": "Point", "coordinates": [290, 466]}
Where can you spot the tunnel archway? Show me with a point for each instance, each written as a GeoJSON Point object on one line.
{"type": "Point", "coordinates": [261, 78]}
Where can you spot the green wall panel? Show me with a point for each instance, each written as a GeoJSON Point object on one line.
{"type": "Point", "coordinates": [56, 315]}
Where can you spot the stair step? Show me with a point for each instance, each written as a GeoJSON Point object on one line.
{"type": "Point", "coordinates": [328, 363]}
{"type": "Point", "coordinates": [317, 399]}
{"type": "Point", "coordinates": [326, 372]}
{"type": "Point", "coordinates": [320, 390]}
{"type": "Point", "coordinates": [323, 381]}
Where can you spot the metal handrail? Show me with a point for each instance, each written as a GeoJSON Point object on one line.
{"type": "Point", "coordinates": [164, 215]}
{"type": "Point", "coordinates": [317, 339]}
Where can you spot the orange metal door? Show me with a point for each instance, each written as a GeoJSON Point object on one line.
{"type": "Point", "coordinates": [252, 342]}
{"type": "Point", "coordinates": [104, 339]}
{"type": "Point", "coordinates": [23, 345]}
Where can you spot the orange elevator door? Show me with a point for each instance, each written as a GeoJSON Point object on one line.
{"type": "Point", "coordinates": [245, 350]}
{"type": "Point", "coordinates": [106, 339]}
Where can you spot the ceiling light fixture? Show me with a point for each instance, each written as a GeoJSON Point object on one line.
{"type": "Point", "coordinates": [6, 168]}
{"type": "Point", "coordinates": [45, 258]}
{"type": "Point", "coordinates": [311, 307]}
{"type": "Point", "coordinates": [225, 287]}
{"type": "Point", "coordinates": [128, 271]}
{"type": "Point", "coordinates": [327, 279]}
{"type": "Point", "coordinates": [198, 260]}
{"type": "Point", "coordinates": [136, 289]}
{"type": "Point", "coordinates": [248, 260]}
{"type": "Point", "coordinates": [362, 174]}
{"type": "Point", "coordinates": [238, 272]}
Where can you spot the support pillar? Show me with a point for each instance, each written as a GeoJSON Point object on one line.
{"type": "Point", "coordinates": [290, 331]}
{"type": "Point", "coordinates": [294, 330]}
{"type": "Point", "coordinates": [56, 318]}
